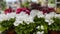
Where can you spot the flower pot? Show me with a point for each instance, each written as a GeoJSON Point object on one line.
{"type": "Point", "coordinates": [11, 32]}
{"type": "Point", "coordinates": [8, 32]}
{"type": "Point", "coordinates": [58, 32]}
{"type": "Point", "coordinates": [53, 32]}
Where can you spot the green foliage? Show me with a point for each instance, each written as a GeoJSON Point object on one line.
{"type": "Point", "coordinates": [56, 25]}
{"type": "Point", "coordinates": [31, 28]}
{"type": "Point", "coordinates": [51, 1]}
{"type": "Point", "coordinates": [26, 4]}
{"type": "Point", "coordinates": [3, 4]}
{"type": "Point", "coordinates": [7, 23]}
{"type": "Point", "coordinates": [1, 0]}
{"type": "Point", "coordinates": [24, 29]}
{"type": "Point", "coordinates": [2, 28]}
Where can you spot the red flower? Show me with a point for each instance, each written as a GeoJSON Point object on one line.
{"type": "Point", "coordinates": [8, 11]}
{"type": "Point", "coordinates": [51, 9]}
{"type": "Point", "coordinates": [19, 10]}
{"type": "Point", "coordinates": [48, 10]}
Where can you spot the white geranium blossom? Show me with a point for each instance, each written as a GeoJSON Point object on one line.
{"type": "Point", "coordinates": [53, 13]}
{"type": "Point", "coordinates": [29, 19]}
{"type": "Point", "coordinates": [38, 27]}
{"type": "Point", "coordinates": [22, 13]}
{"type": "Point", "coordinates": [21, 17]}
{"type": "Point", "coordinates": [40, 32]}
{"type": "Point", "coordinates": [48, 18]}
{"type": "Point", "coordinates": [50, 21]}
{"type": "Point", "coordinates": [40, 14]}
{"type": "Point", "coordinates": [42, 27]}
{"type": "Point", "coordinates": [3, 17]}
{"type": "Point", "coordinates": [50, 15]}
{"type": "Point", "coordinates": [11, 15]}
{"type": "Point", "coordinates": [57, 15]}
{"type": "Point", "coordinates": [34, 13]}
{"type": "Point", "coordinates": [16, 23]}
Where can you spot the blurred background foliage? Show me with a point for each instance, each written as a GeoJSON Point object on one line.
{"type": "Point", "coordinates": [2, 4]}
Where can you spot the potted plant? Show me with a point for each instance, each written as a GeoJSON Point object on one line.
{"type": "Point", "coordinates": [7, 26]}
{"type": "Point", "coordinates": [38, 26]}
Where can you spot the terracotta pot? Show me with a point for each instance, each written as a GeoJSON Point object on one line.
{"type": "Point", "coordinates": [53, 32]}
{"type": "Point", "coordinates": [58, 32]}
{"type": "Point", "coordinates": [11, 32]}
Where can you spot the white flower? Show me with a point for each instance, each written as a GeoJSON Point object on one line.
{"type": "Point", "coordinates": [28, 19]}
{"type": "Point", "coordinates": [16, 23]}
{"type": "Point", "coordinates": [21, 17]}
{"type": "Point", "coordinates": [38, 27]}
{"type": "Point", "coordinates": [11, 15]}
{"type": "Point", "coordinates": [40, 14]}
{"type": "Point", "coordinates": [52, 13]}
{"type": "Point", "coordinates": [42, 27]}
{"type": "Point", "coordinates": [50, 21]}
{"type": "Point", "coordinates": [40, 32]}
{"type": "Point", "coordinates": [3, 17]}
{"type": "Point", "coordinates": [49, 16]}
{"type": "Point", "coordinates": [57, 15]}
{"type": "Point", "coordinates": [22, 13]}
{"type": "Point", "coordinates": [46, 20]}
{"type": "Point", "coordinates": [34, 13]}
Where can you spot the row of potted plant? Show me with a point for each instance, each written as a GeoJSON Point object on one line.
{"type": "Point", "coordinates": [35, 23]}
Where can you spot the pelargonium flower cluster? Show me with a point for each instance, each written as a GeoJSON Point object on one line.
{"type": "Point", "coordinates": [29, 18]}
